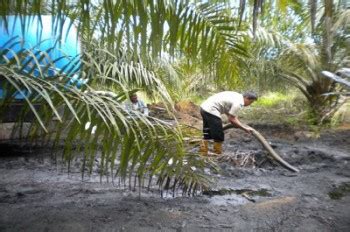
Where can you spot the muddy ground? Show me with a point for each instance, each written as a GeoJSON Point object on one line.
{"type": "Point", "coordinates": [37, 194]}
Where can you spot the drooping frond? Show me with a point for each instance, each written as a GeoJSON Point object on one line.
{"type": "Point", "coordinates": [94, 123]}
{"type": "Point", "coordinates": [147, 27]}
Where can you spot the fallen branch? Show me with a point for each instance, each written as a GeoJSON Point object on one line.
{"type": "Point", "coordinates": [267, 146]}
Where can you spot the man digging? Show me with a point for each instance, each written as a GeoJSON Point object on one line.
{"type": "Point", "coordinates": [229, 103]}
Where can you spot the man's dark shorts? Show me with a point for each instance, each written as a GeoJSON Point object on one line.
{"type": "Point", "coordinates": [212, 127]}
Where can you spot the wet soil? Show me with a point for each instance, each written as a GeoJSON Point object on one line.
{"type": "Point", "coordinates": [37, 193]}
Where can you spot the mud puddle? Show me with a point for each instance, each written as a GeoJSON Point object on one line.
{"type": "Point", "coordinates": [37, 193]}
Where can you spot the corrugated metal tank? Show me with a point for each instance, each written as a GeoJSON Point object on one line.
{"type": "Point", "coordinates": [57, 38]}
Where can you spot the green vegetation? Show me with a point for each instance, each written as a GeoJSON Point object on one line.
{"type": "Point", "coordinates": [342, 115]}
{"type": "Point", "coordinates": [278, 108]}
{"type": "Point", "coordinates": [276, 99]}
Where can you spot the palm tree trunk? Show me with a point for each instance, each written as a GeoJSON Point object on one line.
{"type": "Point", "coordinates": [327, 35]}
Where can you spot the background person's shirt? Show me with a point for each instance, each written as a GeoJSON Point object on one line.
{"type": "Point", "coordinates": [138, 106]}
{"type": "Point", "coordinates": [227, 102]}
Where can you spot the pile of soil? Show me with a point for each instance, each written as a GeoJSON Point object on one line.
{"type": "Point", "coordinates": [185, 112]}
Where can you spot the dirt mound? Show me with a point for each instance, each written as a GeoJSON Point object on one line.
{"type": "Point", "coordinates": [186, 113]}
{"type": "Point", "coordinates": [188, 107]}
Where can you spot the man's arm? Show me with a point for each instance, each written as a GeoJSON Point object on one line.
{"type": "Point", "coordinates": [234, 120]}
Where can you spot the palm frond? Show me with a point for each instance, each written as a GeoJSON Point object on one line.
{"type": "Point", "coordinates": [91, 120]}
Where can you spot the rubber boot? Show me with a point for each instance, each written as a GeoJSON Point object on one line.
{"type": "Point", "coordinates": [218, 148]}
{"type": "Point", "coordinates": [203, 148]}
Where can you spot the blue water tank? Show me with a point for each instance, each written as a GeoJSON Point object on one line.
{"type": "Point", "coordinates": [57, 38]}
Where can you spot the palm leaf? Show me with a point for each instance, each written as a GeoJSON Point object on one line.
{"type": "Point", "coordinates": [105, 111]}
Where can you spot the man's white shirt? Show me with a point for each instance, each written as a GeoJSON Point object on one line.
{"type": "Point", "coordinates": [227, 102]}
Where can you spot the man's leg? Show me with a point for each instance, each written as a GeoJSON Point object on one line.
{"type": "Point", "coordinates": [217, 133]}
{"type": "Point", "coordinates": [212, 129]}
{"type": "Point", "coordinates": [204, 146]}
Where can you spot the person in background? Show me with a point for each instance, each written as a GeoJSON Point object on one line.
{"type": "Point", "coordinates": [135, 104]}
{"type": "Point", "coordinates": [229, 103]}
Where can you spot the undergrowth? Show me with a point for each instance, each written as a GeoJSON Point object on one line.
{"type": "Point", "coordinates": [277, 108]}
